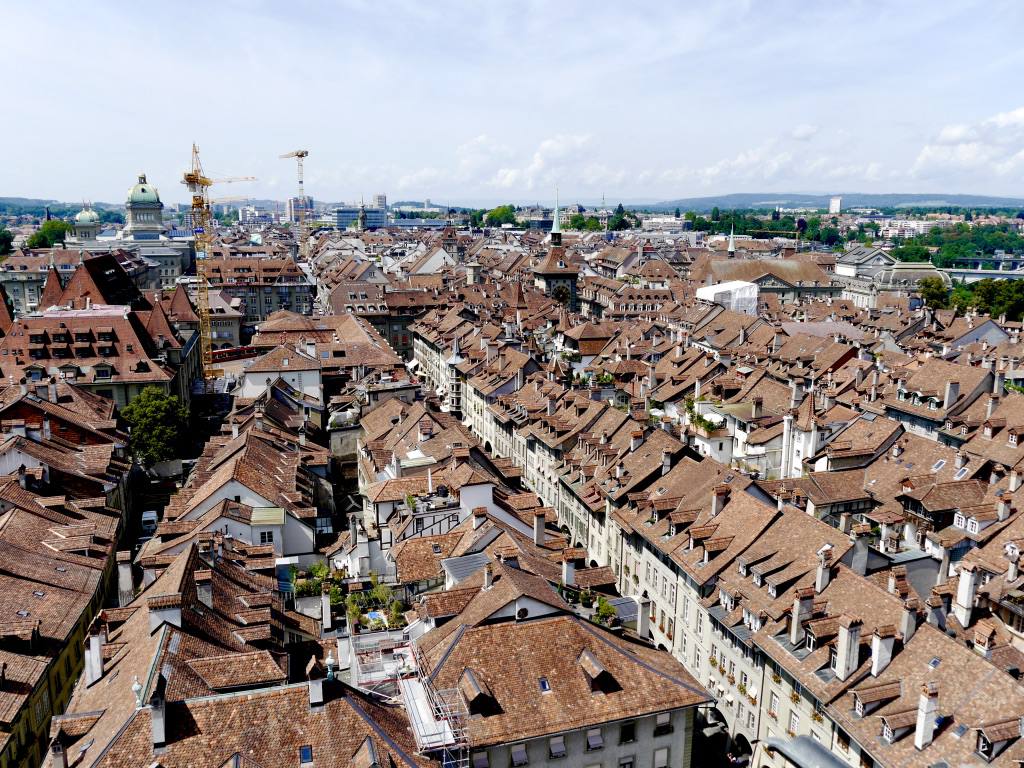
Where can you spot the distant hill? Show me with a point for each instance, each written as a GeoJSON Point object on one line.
{"type": "Point", "coordinates": [850, 200]}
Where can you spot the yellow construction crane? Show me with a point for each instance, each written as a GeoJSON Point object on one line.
{"type": "Point", "coordinates": [199, 184]}
{"type": "Point", "coordinates": [300, 213]}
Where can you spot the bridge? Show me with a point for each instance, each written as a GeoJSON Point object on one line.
{"type": "Point", "coordinates": [974, 274]}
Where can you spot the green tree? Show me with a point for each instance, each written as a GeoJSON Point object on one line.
{"type": "Point", "coordinates": [715, 214]}
{"type": "Point", "coordinates": [934, 293]}
{"type": "Point", "coordinates": [678, 213]}
{"type": "Point", "coordinates": [159, 423]}
{"type": "Point", "coordinates": [52, 232]}
{"type": "Point", "coordinates": [503, 214]}
{"type": "Point", "coordinates": [6, 241]}
{"type": "Point", "coordinates": [911, 253]}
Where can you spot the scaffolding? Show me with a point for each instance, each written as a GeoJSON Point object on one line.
{"type": "Point", "coordinates": [389, 665]}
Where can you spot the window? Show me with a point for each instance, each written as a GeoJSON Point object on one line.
{"type": "Point", "coordinates": [519, 755]}
{"type": "Point", "coordinates": [773, 704]}
{"type": "Point", "coordinates": [887, 732]}
{"type": "Point", "coordinates": [480, 760]}
{"type": "Point", "coordinates": [545, 686]}
{"type": "Point", "coordinates": [842, 740]}
{"type": "Point", "coordinates": [661, 758]}
{"type": "Point", "coordinates": [627, 732]}
{"type": "Point", "coordinates": [794, 721]}
{"type": "Point", "coordinates": [556, 746]}
{"type": "Point", "coordinates": [594, 740]}
{"type": "Point", "coordinates": [306, 754]}
{"type": "Point", "coordinates": [750, 719]}
{"type": "Point", "coordinates": [266, 537]}
{"type": "Point", "coordinates": [627, 762]}
{"type": "Point", "coordinates": [663, 724]}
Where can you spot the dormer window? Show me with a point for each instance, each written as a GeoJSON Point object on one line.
{"type": "Point", "coordinates": [757, 579]}
{"type": "Point", "coordinates": [887, 733]}
{"type": "Point", "coordinates": [772, 591]}
{"type": "Point", "coordinates": [984, 747]}
{"type": "Point", "coordinates": [988, 431]}
{"type": "Point", "coordinates": [963, 430]}
{"type": "Point", "coordinates": [933, 405]}
{"type": "Point", "coordinates": [743, 570]}
{"type": "Point", "coordinates": [1013, 439]}
{"type": "Point", "coordinates": [809, 642]}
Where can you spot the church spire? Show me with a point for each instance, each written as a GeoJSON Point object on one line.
{"type": "Point", "coordinates": [732, 240]}
{"type": "Point", "coordinates": [556, 224]}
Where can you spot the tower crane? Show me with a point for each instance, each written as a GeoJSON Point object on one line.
{"type": "Point", "coordinates": [300, 155]}
{"type": "Point", "coordinates": [198, 184]}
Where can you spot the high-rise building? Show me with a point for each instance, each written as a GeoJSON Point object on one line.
{"type": "Point", "coordinates": [295, 205]}
{"type": "Point", "coordinates": [380, 200]}
{"type": "Point", "coordinates": [347, 215]}
{"type": "Point", "coordinates": [835, 205]}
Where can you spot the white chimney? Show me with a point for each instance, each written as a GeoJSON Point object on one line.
{"type": "Point", "coordinates": [538, 529]}
{"type": "Point", "coordinates": [568, 571]}
{"type": "Point", "coordinates": [882, 642]}
{"type": "Point", "coordinates": [643, 616]}
{"type": "Point", "coordinates": [158, 714]}
{"type": "Point", "coordinates": [952, 393]}
{"type": "Point", "coordinates": [488, 576]}
{"type": "Point", "coordinates": [666, 461]}
{"type": "Point", "coordinates": [326, 619]}
{"type": "Point", "coordinates": [803, 603]}
{"type": "Point", "coordinates": [1014, 479]}
{"type": "Point", "coordinates": [58, 757]}
{"type": "Point", "coordinates": [636, 440]}
{"type": "Point", "coordinates": [824, 573]}
{"type": "Point", "coordinates": [94, 653]}
{"type": "Point", "coordinates": [927, 713]}
{"type": "Point", "coordinates": [479, 516]}
{"type": "Point", "coordinates": [719, 497]}
{"type": "Point", "coordinates": [966, 590]}
{"type": "Point", "coordinates": [1012, 555]}
{"type": "Point", "coordinates": [204, 587]}
{"type": "Point", "coordinates": [848, 647]}
{"type": "Point", "coordinates": [908, 620]}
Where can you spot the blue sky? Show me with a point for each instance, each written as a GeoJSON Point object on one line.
{"type": "Point", "coordinates": [481, 102]}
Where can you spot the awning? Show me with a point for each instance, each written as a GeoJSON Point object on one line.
{"type": "Point", "coordinates": [412, 364]}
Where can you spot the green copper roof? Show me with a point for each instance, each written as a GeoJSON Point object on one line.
{"type": "Point", "coordinates": [143, 192]}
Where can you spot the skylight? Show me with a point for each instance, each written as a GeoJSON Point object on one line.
{"type": "Point", "coordinates": [545, 686]}
{"type": "Point", "coordinates": [934, 663]}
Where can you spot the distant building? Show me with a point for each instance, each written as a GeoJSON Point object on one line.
{"type": "Point", "coordinates": [380, 200]}
{"type": "Point", "coordinates": [835, 205]}
{"type": "Point", "coordinates": [346, 216]}
{"type": "Point", "coordinates": [295, 205]}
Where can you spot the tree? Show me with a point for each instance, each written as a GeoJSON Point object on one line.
{"type": "Point", "coordinates": [933, 291]}
{"type": "Point", "coordinates": [158, 424]}
{"type": "Point", "coordinates": [52, 232]}
{"type": "Point", "coordinates": [911, 253]}
{"type": "Point", "coordinates": [715, 214]}
{"type": "Point", "coordinates": [6, 241]}
{"type": "Point", "coordinates": [678, 213]}
{"type": "Point", "coordinates": [503, 214]}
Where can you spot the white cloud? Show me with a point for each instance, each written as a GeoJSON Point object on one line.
{"type": "Point", "coordinates": [989, 147]}
{"type": "Point", "coordinates": [804, 132]}
{"type": "Point", "coordinates": [554, 158]}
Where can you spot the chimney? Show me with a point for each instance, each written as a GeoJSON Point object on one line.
{"type": "Point", "coordinates": [927, 714]}
{"type": "Point", "coordinates": [908, 619]}
{"type": "Point", "coordinates": [719, 498]}
{"type": "Point", "coordinates": [848, 647]}
{"type": "Point", "coordinates": [961, 459]}
{"type": "Point", "coordinates": [315, 685]}
{"type": "Point", "coordinates": [882, 642]}
{"type": "Point", "coordinates": [46, 428]}
{"type": "Point", "coordinates": [164, 609]}
{"type": "Point", "coordinates": [1012, 554]}
{"type": "Point", "coordinates": [795, 395]}
{"type": "Point", "coordinates": [234, 430]}
{"type": "Point", "coordinates": [966, 590]}
{"type": "Point", "coordinates": [125, 578]}
{"type": "Point", "coordinates": [936, 611]}
{"type": "Point", "coordinates": [479, 516]}
{"type": "Point", "coordinates": [636, 439]}
{"type": "Point", "coordinates": [652, 379]}
{"type": "Point", "coordinates": [859, 561]}
{"type": "Point", "coordinates": [550, 407]}
{"type": "Point", "coordinates": [643, 616]}
{"type": "Point", "coordinates": [538, 529]}
{"type": "Point", "coordinates": [952, 393]}
{"type": "Point", "coordinates": [998, 381]}
{"type": "Point", "coordinates": [803, 603]}
{"type": "Point", "coordinates": [58, 758]}
{"type": "Point", "coordinates": [51, 390]}
{"type": "Point", "coordinates": [23, 384]}
{"type": "Point", "coordinates": [990, 406]}
{"type": "Point", "coordinates": [755, 407]}
{"type": "Point", "coordinates": [1014, 479]}
{"type": "Point", "coordinates": [204, 587]}
{"type": "Point", "coordinates": [488, 576]}
{"type": "Point", "coordinates": [353, 529]}
{"type": "Point", "coordinates": [259, 417]}
{"type": "Point", "coordinates": [897, 449]}
{"type": "Point", "coordinates": [158, 713]}
{"type": "Point", "coordinates": [1003, 508]}
{"type": "Point", "coordinates": [666, 461]}
{"type": "Point", "coordinates": [568, 571]}
{"type": "Point", "coordinates": [824, 573]}
{"type": "Point", "coordinates": [94, 643]}
{"type": "Point", "coordinates": [326, 620]}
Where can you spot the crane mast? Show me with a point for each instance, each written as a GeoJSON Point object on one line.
{"type": "Point", "coordinates": [300, 213]}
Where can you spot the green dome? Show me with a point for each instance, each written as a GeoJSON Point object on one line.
{"type": "Point", "coordinates": [143, 192]}
{"type": "Point", "coordinates": [87, 216]}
